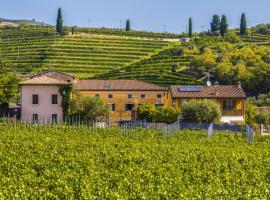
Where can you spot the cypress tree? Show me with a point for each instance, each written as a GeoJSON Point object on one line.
{"type": "Point", "coordinates": [215, 24]}
{"type": "Point", "coordinates": [243, 25]}
{"type": "Point", "coordinates": [59, 22]}
{"type": "Point", "coordinates": [128, 26]}
{"type": "Point", "coordinates": [190, 31]}
{"type": "Point", "coordinates": [223, 25]}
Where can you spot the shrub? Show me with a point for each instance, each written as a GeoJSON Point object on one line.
{"type": "Point", "coordinates": [250, 114]}
{"type": "Point", "coordinates": [262, 118]}
{"type": "Point", "coordinates": [88, 108]}
{"type": "Point", "coordinates": [152, 113]}
{"type": "Point", "coordinates": [201, 111]}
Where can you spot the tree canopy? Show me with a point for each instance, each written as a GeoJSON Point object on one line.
{"type": "Point", "coordinates": [59, 22]}
{"type": "Point", "coordinates": [243, 25]}
{"type": "Point", "coordinates": [223, 25]}
{"type": "Point", "coordinates": [88, 108]}
{"type": "Point", "coordinates": [201, 111]}
{"type": "Point", "coordinates": [190, 27]}
{"type": "Point", "coordinates": [8, 84]}
{"type": "Point", "coordinates": [215, 25]}
{"type": "Point", "coordinates": [128, 25]}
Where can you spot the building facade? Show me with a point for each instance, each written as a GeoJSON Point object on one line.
{"type": "Point", "coordinates": [41, 100]}
{"type": "Point", "coordinates": [231, 99]}
{"type": "Point", "coordinates": [124, 96]}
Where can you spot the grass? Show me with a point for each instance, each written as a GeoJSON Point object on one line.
{"type": "Point", "coordinates": [81, 163]}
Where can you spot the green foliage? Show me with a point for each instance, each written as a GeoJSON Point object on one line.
{"type": "Point", "coordinates": [66, 92]}
{"type": "Point", "coordinates": [250, 113]}
{"type": "Point", "coordinates": [88, 108]}
{"type": "Point", "coordinates": [261, 100]}
{"type": "Point", "coordinates": [190, 27]}
{"type": "Point", "coordinates": [59, 22]}
{"type": "Point", "coordinates": [243, 25]}
{"type": "Point", "coordinates": [82, 163]}
{"type": "Point", "coordinates": [8, 84]}
{"type": "Point", "coordinates": [152, 113]}
{"type": "Point", "coordinates": [215, 25]}
{"type": "Point", "coordinates": [201, 111]}
{"type": "Point", "coordinates": [262, 118]}
{"type": "Point", "coordinates": [204, 62]}
{"type": "Point", "coordinates": [263, 29]}
{"type": "Point", "coordinates": [223, 25]}
{"type": "Point", "coordinates": [232, 37]}
{"type": "Point", "coordinates": [128, 25]}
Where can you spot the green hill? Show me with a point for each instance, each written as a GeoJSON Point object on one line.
{"type": "Point", "coordinates": [111, 54]}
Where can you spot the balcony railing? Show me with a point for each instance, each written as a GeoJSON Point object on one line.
{"type": "Point", "coordinates": [232, 113]}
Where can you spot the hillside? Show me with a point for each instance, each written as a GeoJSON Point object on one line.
{"type": "Point", "coordinates": [114, 54]}
{"type": "Point", "coordinates": [13, 22]}
{"type": "Point", "coordinates": [91, 56]}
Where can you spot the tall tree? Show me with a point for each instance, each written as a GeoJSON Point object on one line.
{"type": "Point", "coordinates": [128, 25]}
{"type": "Point", "coordinates": [190, 31]}
{"type": "Point", "coordinates": [243, 25]}
{"type": "Point", "coordinates": [8, 84]}
{"type": "Point", "coordinates": [215, 24]}
{"type": "Point", "coordinates": [223, 25]}
{"type": "Point", "coordinates": [59, 22]}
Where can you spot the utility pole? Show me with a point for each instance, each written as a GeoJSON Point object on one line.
{"type": "Point", "coordinates": [120, 24]}
{"type": "Point", "coordinates": [164, 26]}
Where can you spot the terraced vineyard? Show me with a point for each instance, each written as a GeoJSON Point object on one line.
{"type": "Point", "coordinates": [135, 55]}
{"type": "Point", "coordinates": [83, 56]}
{"type": "Point", "coordinates": [158, 69]}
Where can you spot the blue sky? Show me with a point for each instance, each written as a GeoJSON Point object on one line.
{"type": "Point", "coordinates": [150, 15]}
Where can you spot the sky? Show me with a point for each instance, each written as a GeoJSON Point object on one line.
{"type": "Point", "coordinates": [150, 15]}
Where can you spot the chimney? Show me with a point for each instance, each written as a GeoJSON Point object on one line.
{"type": "Point", "coordinates": [239, 84]}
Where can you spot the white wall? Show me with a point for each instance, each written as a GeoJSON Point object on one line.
{"type": "Point", "coordinates": [44, 108]}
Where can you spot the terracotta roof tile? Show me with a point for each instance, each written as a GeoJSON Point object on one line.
{"type": "Point", "coordinates": [43, 80]}
{"type": "Point", "coordinates": [116, 85]}
{"type": "Point", "coordinates": [214, 91]}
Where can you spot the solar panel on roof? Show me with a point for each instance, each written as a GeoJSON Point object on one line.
{"type": "Point", "coordinates": [190, 88]}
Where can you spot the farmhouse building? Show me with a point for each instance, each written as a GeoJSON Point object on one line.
{"type": "Point", "coordinates": [231, 99]}
{"type": "Point", "coordinates": [41, 99]}
{"type": "Point", "coordinates": [124, 96]}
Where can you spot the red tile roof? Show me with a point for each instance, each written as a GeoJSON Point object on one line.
{"type": "Point", "coordinates": [43, 80]}
{"type": "Point", "coordinates": [116, 85]}
{"type": "Point", "coordinates": [214, 91]}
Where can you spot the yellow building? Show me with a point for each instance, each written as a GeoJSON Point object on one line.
{"type": "Point", "coordinates": [124, 96]}
{"type": "Point", "coordinates": [231, 99]}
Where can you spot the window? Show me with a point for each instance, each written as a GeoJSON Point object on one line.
{"type": "Point", "coordinates": [159, 96]}
{"type": "Point", "coordinates": [112, 106]}
{"type": "Point", "coordinates": [35, 99]}
{"type": "Point", "coordinates": [129, 107]}
{"type": "Point", "coordinates": [110, 96]}
{"type": "Point", "coordinates": [129, 96]}
{"type": "Point", "coordinates": [54, 118]}
{"type": "Point", "coordinates": [35, 118]}
{"type": "Point", "coordinates": [54, 99]}
{"type": "Point", "coordinates": [229, 104]}
{"type": "Point", "coordinates": [142, 96]}
{"type": "Point", "coordinates": [158, 105]}
{"type": "Point", "coordinates": [97, 95]}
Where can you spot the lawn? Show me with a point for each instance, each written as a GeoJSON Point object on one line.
{"type": "Point", "coordinates": [82, 163]}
